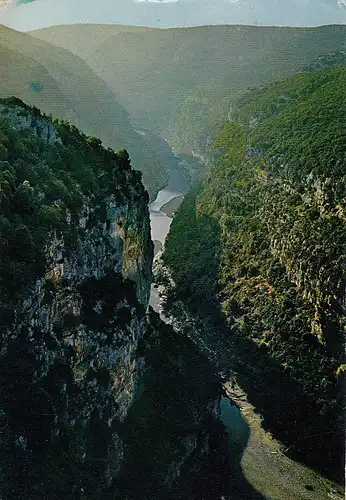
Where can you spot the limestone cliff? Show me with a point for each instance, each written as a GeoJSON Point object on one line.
{"type": "Point", "coordinates": [68, 359]}
{"type": "Point", "coordinates": [87, 382]}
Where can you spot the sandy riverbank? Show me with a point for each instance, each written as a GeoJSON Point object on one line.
{"type": "Point", "coordinates": [267, 469]}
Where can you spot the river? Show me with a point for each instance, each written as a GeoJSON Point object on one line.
{"type": "Point", "coordinates": [159, 220]}
{"type": "Point", "coordinates": [160, 224]}
{"type": "Point", "coordinates": [236, 427]}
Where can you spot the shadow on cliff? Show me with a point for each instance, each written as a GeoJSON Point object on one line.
{"type": "Point", "coordinates": [176, 447]}
{"type": "Point", "coordinates": [288, 412]}
{"type": "Point", "coordinates": [221, 474]}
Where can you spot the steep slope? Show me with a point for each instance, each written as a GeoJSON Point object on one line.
{"type": "Point", "coordinates": [63, 84]}
{"type": "Point", "coordinates": [83, 39]}
{"type": "Point", "coordinates": [265, 239]}
{"type": "Point", "coordinates": [36, 85]}
{"type": "Point", "coordinates": [82, 359]}
{"type": "Point", "coordinates": [170, 79]}
{"type": "Point", "coordinates": [327, 61]}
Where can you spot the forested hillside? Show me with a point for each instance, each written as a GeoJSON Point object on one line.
{"type": "Point", "coordinates": [178, 82]}
{"type": "Point", "coordinates": [61, 83]}
{"type": "Point", "coordinates": [82, 39]}
{"type": "Point", "coordinates": [265, 238]}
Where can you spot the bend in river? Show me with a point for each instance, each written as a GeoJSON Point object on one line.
{"type": "Point", "coordinates": [159, 220]}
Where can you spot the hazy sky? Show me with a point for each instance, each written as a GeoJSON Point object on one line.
{"type": "Point", "coordinates": [32, 14]}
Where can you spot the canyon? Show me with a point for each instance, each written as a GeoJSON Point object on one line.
{"type": "Point", "coordinates": [173, 332]}
{"type": "Point", "coordinates": [100, 399]}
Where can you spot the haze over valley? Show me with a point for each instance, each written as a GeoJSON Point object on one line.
{"type": "Point", "coordinates": [172, 250]}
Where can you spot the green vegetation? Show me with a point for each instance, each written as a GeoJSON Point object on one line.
{"type": "Point", "coordinates": [327, 61]}
{"type": "Point", "coordinates": [39, 185]}
{"type": "Point", "coordinates": [198, 238]}
{"type": "Point", "coordinates": [197, 118]}
{"type": "Point", "coordinates": [276, 191]}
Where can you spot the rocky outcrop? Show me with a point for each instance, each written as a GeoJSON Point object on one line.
{"type": "Point", "coordinates": [264, 240]}
{"type": "Point", "coordinates": [22, 118]}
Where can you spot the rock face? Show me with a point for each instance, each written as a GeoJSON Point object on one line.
{"type": "Point", "coordinates": [24, 119]}
{"type": "Point", "coordinates": [82, 367]}
{"type": "Point", "coordinates": [69, 362]}
{"type": "Point", "coordinates": [268, 226]}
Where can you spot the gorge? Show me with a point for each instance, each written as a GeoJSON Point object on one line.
{"type": "Point", "coordinates": [250, 445]}
{"type": "Point", "coordinates": [216, 372]}
{"type": "Point", "coordinates": [237, 272]}
{"type": "Point", "coordinates": [90, 378]}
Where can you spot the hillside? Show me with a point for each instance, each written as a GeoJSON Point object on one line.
{"type": "Point", "coordinates": [172, 80]}
{"type": "Point", "coordinates": [264, 238]}
{"type": "Point", "coordinates": [83, 39]}
{"type": "Point", "coordinates": [61, 83]}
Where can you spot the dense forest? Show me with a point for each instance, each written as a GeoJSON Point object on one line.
{"type": "Point", "coordinates": [203, 110]}
{"type": "Point", "coordinates": [264, 238]}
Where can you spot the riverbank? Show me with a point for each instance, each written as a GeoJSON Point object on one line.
{"type": "Point", "coordinates": [268, 469]}
{"type": "Point", "coordinates": [263, 463]}
{"type": "Point", "coordinates": [172, 206]}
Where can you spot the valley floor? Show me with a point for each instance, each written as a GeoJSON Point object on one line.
{"type": "Point", "coordinates": [268, 470]}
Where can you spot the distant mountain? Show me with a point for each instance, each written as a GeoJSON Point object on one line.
{"type": "Point", "coordinates": [170, 80]}
{"type": "Point", "coordinates": [59, 82]}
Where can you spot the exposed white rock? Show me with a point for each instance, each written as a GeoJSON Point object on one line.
{"type": "Point", "coordinates": [25, 120]}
